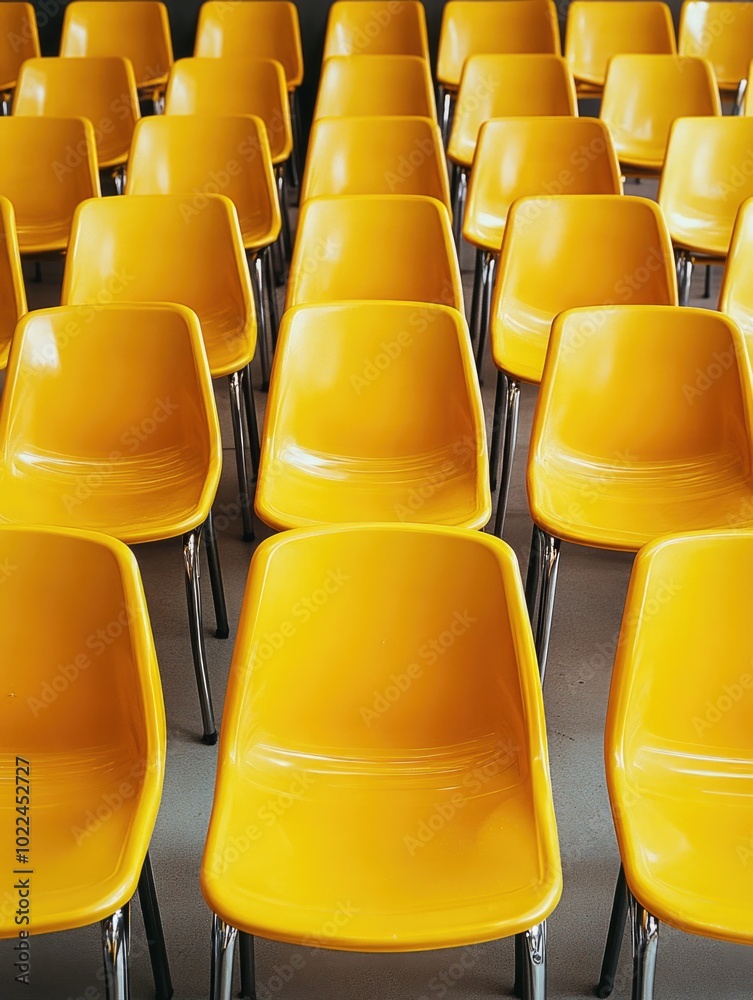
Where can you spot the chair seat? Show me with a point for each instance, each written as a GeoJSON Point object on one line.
{"type": "Point", "coordinates": [485, 232]}
{"type": "Point", "coordinates": [304, 843]}
{"type": "Point", "coordinates": [629, 504]}
{"type": "Point", "coordinates": [96, 799]}
{"type": "Point", "coordinates": [51, 237]}
{"type": "Point", "coordinates": [134, 499]}
{"type": "Point", "coordinates": [258, 233]}
{"type": "Point", "coordinates": [686, 865]}
{"type": "Point", "coordinates": [709, 238]}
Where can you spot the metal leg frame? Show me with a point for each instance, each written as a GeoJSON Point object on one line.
{"type": "Point", "coordinates": [236, 411]}
{"type": "Point", "coordinates": [223, 952]}
{"type": "Point", "coordinates": [616, 931]}
{"type": "Point", "coordinates": [490, 266]}
{"type": "Point", "coordinates": [645, 947]}
{"type": "Point", "coordinates": [445, 112]}
{"type": "Point", "coordinates": [478, 286]}
{"type": "Point", "coordinates": [215, 577]}
{"type": "Point", "coordinates": [192, 562]}
{"type": "Point", "coordinates": [264, 338]}
{"type": "Point", "coordinates": [248, 966]}
{"type": "Point", "coordinates": [541, 584]}
{"type": "Point", "coordinates": [535, 980]}
{"type": "Point", "coordinates": [296, 160]}
{"type": "Point", "coordinates": [154, 934]}
{"type": "Point", "coordinates": [282, 193]}
{"type": "Point", "coordinates": [519, 986]}
{"type": "Point", "coordinates": [737, 107]}
{"type": "Point", "coordinates": [119, 176]}
{"type": "Point", "coordinates": [684, 276]}
{"type": "Point", "coordinates": [253, 426]}
{"type": "Point", "coordinates": [115, 939]}
{"type": "Point", "coordinates": [511, 405]}
{"type": "Point", "coordinates": [271, 295]}
{"type": "Point", "coordinates": [707, 283]}
{"type": "Point", "coordinates": [460, 196]}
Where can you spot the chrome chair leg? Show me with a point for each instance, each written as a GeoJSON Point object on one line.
{"type": "Point", "coordinates": [512, 406]}
{"type": "Point", "coordinates": [458, 206]}
{"type": "Point", "coordinates": [645, 947]}
{"type": "Point", "coordinates": [119, 176]}
{"type": "Point", "coordinates": [154, 934]}
{"type": "Point", "coordinates": [192, 562]}
{"type": "Point", "coordinates": [541, 584]}
{"type": "Point", "coordinates": [253, 426]}
{"type": "Point", "coordinates": [115, 934]}
{"type": "Point", "coordinates": [535, 939]}
{"type": "Point", "coordinates": [445, 112]}
{"type": "Point", "coordinates": [278, 258]}
{"type": "Point", "coordinates": [248, 966]}
{"type": "Point", "coordinates": [490, 266]}
{"type": "Point", "coordinates": [496, 450]}
{"type": "Point", "coordinates": [271, 295]}
{"type": "Point", "coordinates": [478, 284]}
{"type": "Point", "coordinates": [223, 952]}
{"type": "Point", "coordinates": [282, 193]}
{"type": "Point", "coordinates": [707, 283]}
{"type": "Point", "coordinates": [684, 276]}
{"type": "Point", "coordinates": [616, 931]}
{"type": "Point", "coordinates": [263, 338]}
{"type": "Point", "coordinates": [236, 411]}
{"type": "Point", "coordinates": [215, 577]}
{"type": "Point", "coordinates": [298, 140]}
{"type": "Point", "coordinates": [737, 107]}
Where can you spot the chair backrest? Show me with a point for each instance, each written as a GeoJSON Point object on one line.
{"type": "Point", "coordinates": [476, 699]}
{"type": "Point", "coordinates": [560, 253]}
{"type": "Point", "coordinates": [209, 154]}
{"type": "Point", "coordinates": [19, 40]}
{"type": "Point", "coordinates": [708, 174]}
{"type": "Point", "coordinates": [138, 30]}
{"type": "Point", "coordinates": [505, 86]}
{"type": "Point", "coordinates": [48, 166]}
{"type": "Point", "coordinates": [736, 294]}
{"type": "Point", "coordinates": [375, 85]}
{"type": "Point", "coordinates": [371, 414]}
{"type": "Point", "coordinates": [376, 155]}
{"type": "Point", "coordinates": [163, 248]}
{"type": "Point", "coordinates": [376, 27]}
{"type": "Point", "coordinates": [721, 32]}
{"type": "Point", "coordinates": [645, 94]}
{"type": "Point", "coordinates": [237, 87]}
{"type": "Point", "coordinates": [591, 410]}
{"type": "Point", "coordinates": [255, 29]}
{"type": "Point", "coordinates": [374, 247]}
{"type": "Point", "coordinates": [681, 677]}
{"type": "Point", "coordinates": [475, 27]}
{"type": "Point", "coordinates": [597, 30]}
{"type": "Point", "coordinates": [74, 691]}
{"type": "Point", "coordinates": [102, 89]}
{"type": "Point", "coordinates": [12, 291]}
{"type": "Point", "coordinates": [518, 157]}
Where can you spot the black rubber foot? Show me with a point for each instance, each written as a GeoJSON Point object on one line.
{"type": "Point", "coordinates": [209, 738]}
{"type": "Point", "coordinates": [222, 633]}
{"type": "Point", "coordinates": [603, 989]}
{"type": "Point", "coordinates": [248, 536]}
{"type": "Point", "coordinates": [166, 996]}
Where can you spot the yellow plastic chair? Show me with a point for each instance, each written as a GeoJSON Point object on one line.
{"type": "Point", "coordinates": [735, 295]}
{"type": "Point", "coordinates": [257, 29]}
{"type": "Point", "coordinates": [202, 154]}
{"type": "Point", "coordinates": [376, 440]}
{"type": "Point", "coordinates": [678, 748]}
{"type": "Point", "coordinates": [100, 89]}
{"type": "Point", "coordinates": [559, 253]}
{"type": "Point", "coordinates": [239, 87]}
{"type": "Point", "coordinates": [376, 155]}
{"type": "Point", "coordinates": [138, 30]}
{"type": "Point", "coordinates": [708, 174]}
{"type": "Point", "coordinates": [519, 157]}
{"type": "Point", "coordinates": [137, 456]}
{"type": "Point", "coordinates": [502, 86]}
{"type": "Point", "coordinates": [476, 27]}
{"type": "Point", "coordinates": [721, 32]}
{"type": "Point", "coordinates": [354, 86]}
{"type": "Point", "coordinates": [82, 740]}
{"type": "Point", "coordinates": [365, 759]}
{"type": "Point", "coordinates": [597, 30]}
{"type": "Point", "coordinates": [617, 462]}
{"type": "Point", "coordinates": [12, 291]}
{"type": "Point", "coordinates": [644, 95]}
{"type": "Point", "coordinates": [375, 247]}
{"type": "Point", "coordinates": [19, 41]}
{"type": "Point", "coordinates": [376, 28]}
{"type": "Point", "coordinates": [48, 166]}
{"type": "Point", "coordinates": [162, 248]}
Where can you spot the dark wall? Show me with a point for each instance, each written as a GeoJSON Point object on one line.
{"type": "Point", "coordinates": [312, 13]}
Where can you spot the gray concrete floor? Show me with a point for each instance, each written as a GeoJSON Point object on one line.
{"type": "Point", "coordinates": [590, 598]}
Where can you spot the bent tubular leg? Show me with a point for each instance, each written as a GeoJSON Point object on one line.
{"type": "Point", "coordinates": [223, 951]}
{"type": "Point", "coordinates": [215, 577]}
{"type": "Point", "coordinates": [154, 934]}
{"type": "Point", "coordinates": [612, 949]}
{"type": "Point", "coordinates": [192, 563]}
